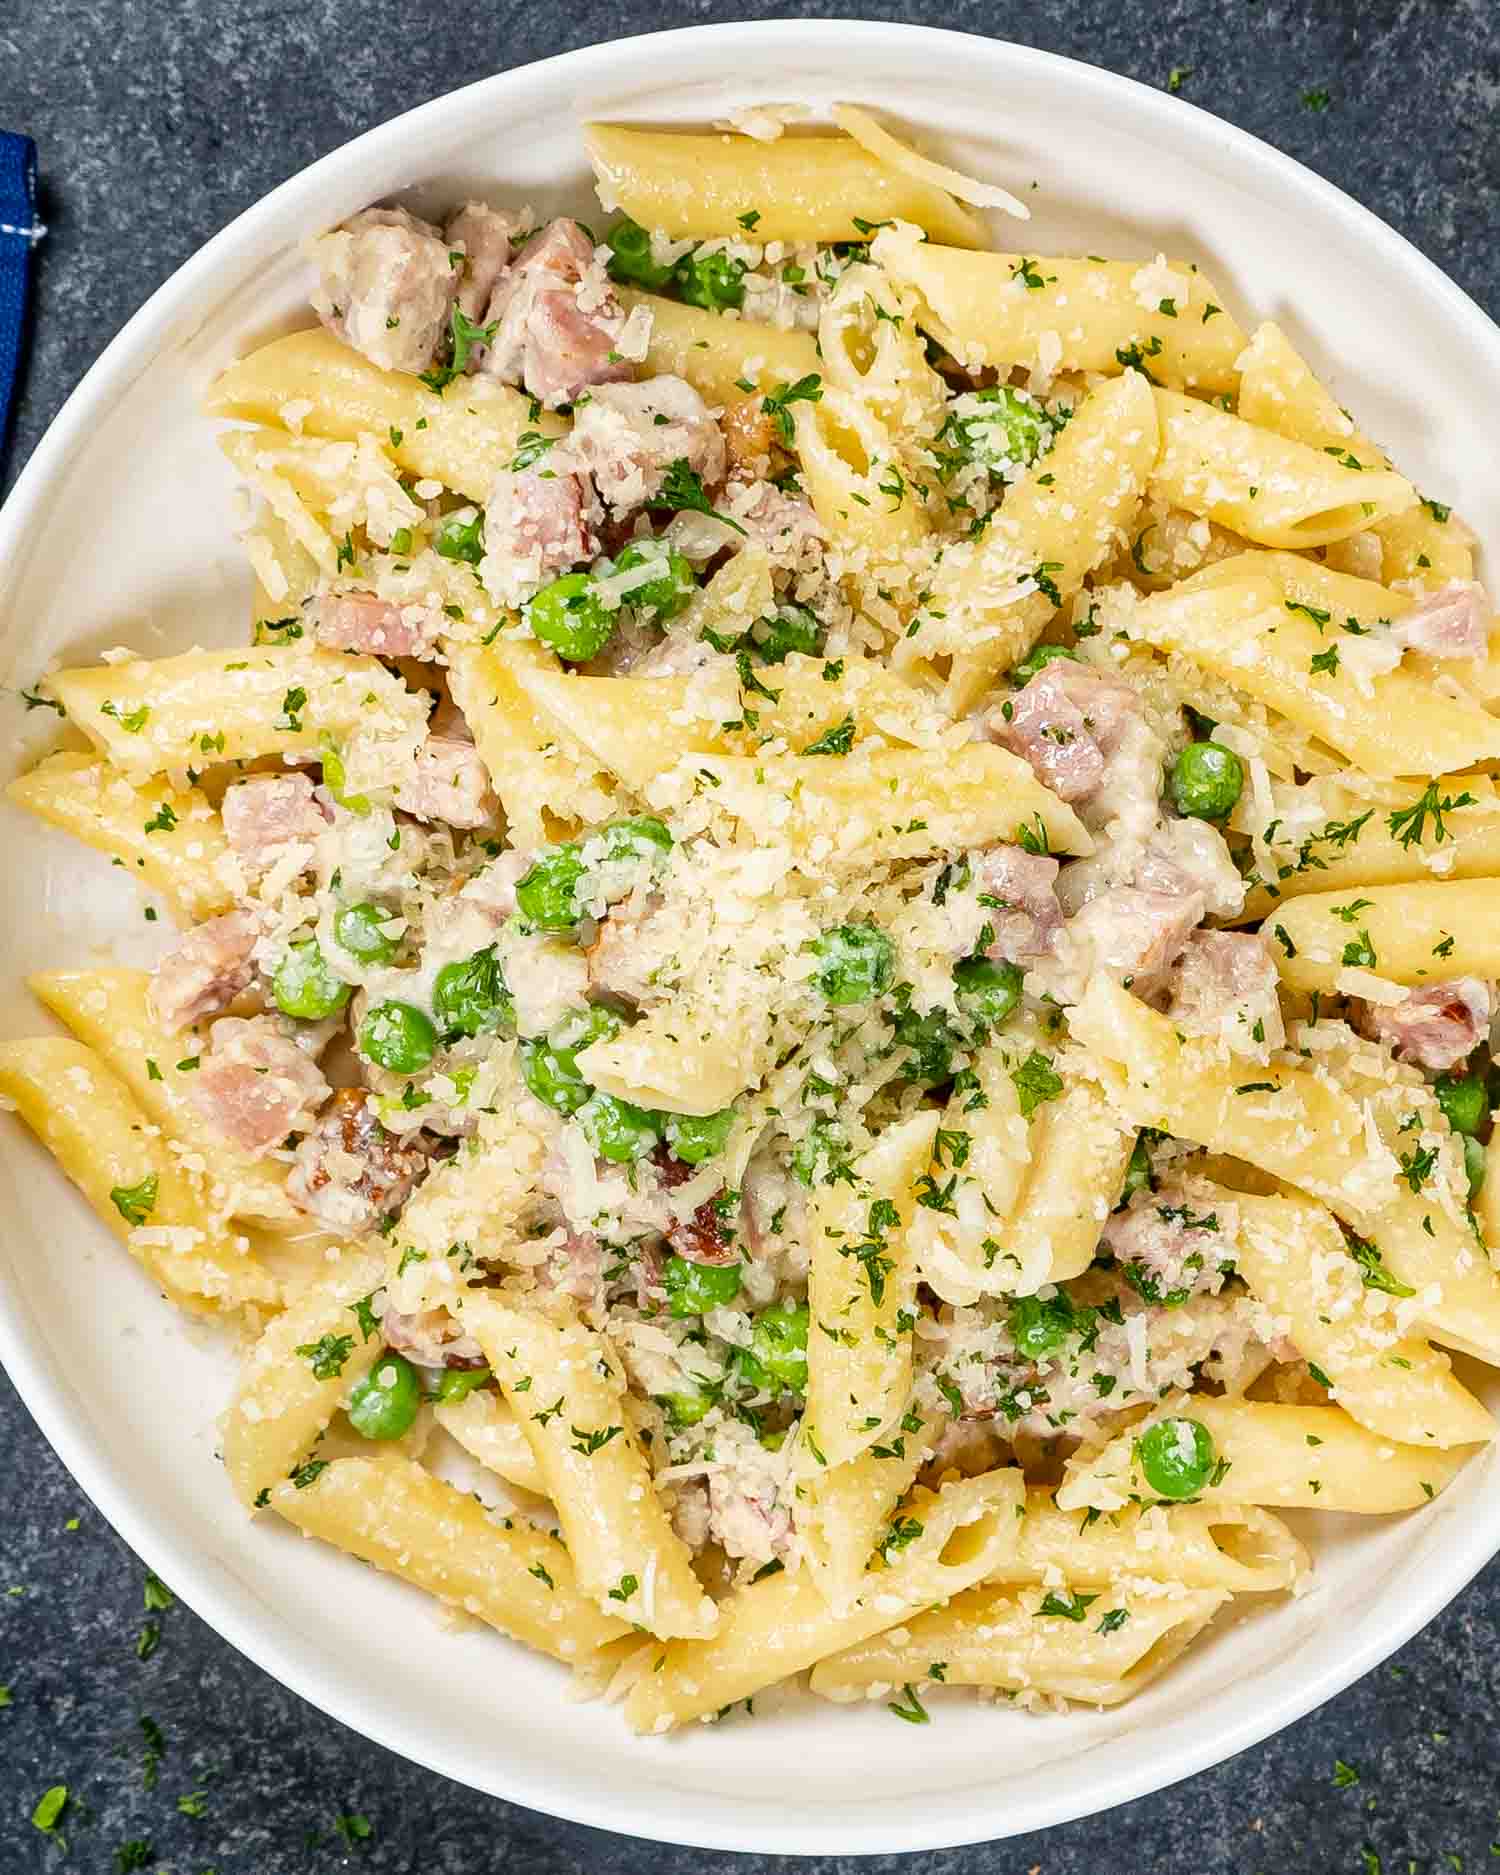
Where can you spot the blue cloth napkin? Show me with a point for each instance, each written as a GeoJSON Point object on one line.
{"type": "Point", "coordinates": [19, 233]}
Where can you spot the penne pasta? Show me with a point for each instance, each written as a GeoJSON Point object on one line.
{"type": "Point", "coordinates": [798, 188]}
{"type": "Point", "coordinates": [1428, 932]}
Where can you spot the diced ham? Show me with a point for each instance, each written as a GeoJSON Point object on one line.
{"type": "Point", "coordinates": [1438, 1025]}
{"type": "Point", "coordinates": [540, 521]}
{"type": "Point", "coordinates": [451, 784]}
{"type": "Point", "coordinates": [493, 889]}
{"type": "Point", "coordinates": [486, 238]}
{"type": "Point", "coordinates": [558, 320]}
{"type": "Point", "coordinates": [619, 964]}
{"type": "Point", "coordinates": [359, 621]}
{"type": "Point", "coordinates": [1453, 622]}
{"type": "Point", "coordinates": [1066, 722]}
{"type": "Point", "coordinates": [575, 1267]}
{"type": "Point", "coordinates": [431, 1338]}
{"type": "Point", "coordinates": [204, 971]}
{"type": "Point", "coordinates": [783, 524]}
{"type": "Point", "coordinates": [255, 1085]}
{"type": "Point", "coordinates": [630, 434]}
{"type": "Point", "coordinates": [1028, 914]}
{"type": "Point", "coordinates": [1191, 856]}
{"type": "Point", "coordinates": [1131, 935]}
{"type": "Point", "coordinates": [268, 813]}
{"type": "Point", "coordinates": [1170, 1242]}
{"type": "Point", "coordinates": [349, 1172]}
{"type": "Point", "coordinates": [386, 287]}
{"type": "Point", "coordinates": [745, 1511]}
{"type": "Point", "coordinates": [1225, 984]}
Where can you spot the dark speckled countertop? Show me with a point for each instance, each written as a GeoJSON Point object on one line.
{"type": "Point", "coordinates": [157, 123]}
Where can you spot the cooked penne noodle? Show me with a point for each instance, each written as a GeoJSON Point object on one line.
{"type": "Point", "coordinates": [625, 1553]}
{"type": "Point", "coordinates": [1273, 1455]}
{"type": "Point", "coordinates": [861, 1284]}
{"type": "Point", "coordinates": [1015, 1641]}
{"type": "Point", "coordinates": [168, 836]}
{"type": "Point", "coordinates": [394, 1514]}
{"type": "Point", "coordinates": [87, 1118]}
{"type": "Point", "coordinates": [781, 1625]}
{"type": "Point", "coordinates": [1428, 932]}
{"type": "Point", "coordinates": [1059, 313]}
{"type": "Point", "coordinates": [797, 188]}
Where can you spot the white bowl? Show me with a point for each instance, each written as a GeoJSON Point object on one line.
{"type": "Point", "coordinates": [120, 531]}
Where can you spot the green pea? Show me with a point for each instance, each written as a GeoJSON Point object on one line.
{"type": "Point", "coordinates": [617, 1130]}
{"type": "Point", "coordinates": [1177, 1456]}
{"type": "Point", "coordinates": [671, 590]}
{"type": "Point", "coordinates": [683, 1409]}
{"type": "Point", "coordinates": [1206, 780]}
{"type": "Point", "coordinates": [1037, 659]}
{"type": "Point", "coordinates": [547, 896]}
{"type": "Point", "coordinates": [458, 539]}
{"type": "Point", "coordinates": [630, 256]}
{"type": "Point", "coordinates": [695, 1137]}
{"type": "Point", "coordinates": [694, 1288]}
{"type": "Point", "coordinates": [399, 1037]}
{"type": "Point", "coordinates": [857, 963]}
{"type": "Point", "coordinates": [712, 281]}
{"type": "Point", "coordinates": [569, 616]}
{"type": "Point", "coordinates": [1474, 1165]}
{"type": "Point", "coordinates": [1039, 1327]}
{"type": "Point", "coordinates": [384, 1403]}
{"type": "Point", "coordinates": [1004, 430]}
{"type": "Point", "coordinates": [304, 986]}
{"type": "Point", "coordinates": [931, 1040]}
{"type": "Point", "coordinates": [778, 1341]}
{"type": "Point", "coordinates": [457, 1383]}
{"type": "Point", "coordinates": [333, 780]}
{"type": "Point", "coordinates": [549, 1064]}
{"type": "Point", "coordinates": [641, 836]}
{"type": "Point", "coordinates": [788, 628]}
{"type": "Point", "coordinates": [987, 990]}
{"type": "Point", "coordinates": [358, 930]}
{"type": "Point", "coordinates": [471, 996]}
{"type": "Point", "coordinates": [1465, 1100]}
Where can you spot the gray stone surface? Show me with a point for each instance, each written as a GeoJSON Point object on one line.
{"type": "Point", "coordinates": [159, 122]}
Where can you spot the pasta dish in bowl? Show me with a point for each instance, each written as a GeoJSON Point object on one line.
{"type": "Point", "coordinates": [835, 938]}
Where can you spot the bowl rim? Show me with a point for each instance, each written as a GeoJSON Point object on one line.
{"type": "Point", "coordinates": [251, 1628]}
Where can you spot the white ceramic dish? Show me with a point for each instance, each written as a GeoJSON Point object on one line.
{"type": "Point", "coordinates": [120, 531]}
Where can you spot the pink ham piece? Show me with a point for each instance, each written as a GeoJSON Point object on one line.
{"type": "Point", "coordinates": [1131, 935]}
{"type": "Point", "coordinates": [386, 287]}
{"type": "Point", "coordinates": [432, 1338]}
{"type": "Point", "coordinates": [1438, 1025]}
{"type": "Point", "coordinates": [576, 1267]}
{"type": "Point", "coordinates": [204, 971]}
{"type": "Point", "coordinates": [1171, 1244]}
{"type": "Point", "coordinates": [358, 621]}
{"type": "Point", "coordinates": [254, 1085]}
{"type": "Point", "coordinates": [1453, 622]}
{"type": "Point", "coordinates": [349, 1172]}
{"type": "Point", "coordinates": [1028, 914]}
{"type": "Point", "coordinates": [1226, 985]}
{"type": "Point", "coordinates": [539, 522]}
{"type": "Point", "coordinates": [629, 435]}
{"type": "Point", "coordinates": [450, 784]}
{"type": "Point", "coordinates": [1066, 722]}
{"type": "Point", "coordinates": [487, 240]}
{"type": "Point", "coordinates": [783, 524]}
{"type": "Point", "coordinates": [557, 319]}
{"type": "Point", "coordinates": [268, 813]}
